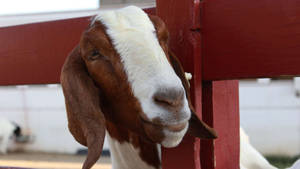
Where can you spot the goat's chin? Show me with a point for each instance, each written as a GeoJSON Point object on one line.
{"type": "Point", "coordinates": [166, 135]}
{"type": "Point", "coordinates": [172, 139]}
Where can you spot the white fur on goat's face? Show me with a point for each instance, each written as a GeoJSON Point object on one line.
{"type": "Point", "coordinates": [148, 70]}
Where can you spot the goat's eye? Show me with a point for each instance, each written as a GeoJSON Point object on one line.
{"type": "Point", "coordinates": [94, 55]}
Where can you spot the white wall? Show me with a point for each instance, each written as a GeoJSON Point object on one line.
{"type": "Point", "coordinates": [270, 114]}
{"type": "Point", "coordinates": [41, 111]}
{"type": "Point", "coordinates": [11, 20]}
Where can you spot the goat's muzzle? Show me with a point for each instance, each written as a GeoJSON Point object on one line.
{"type": "Point", "coordinates": [170, 99]}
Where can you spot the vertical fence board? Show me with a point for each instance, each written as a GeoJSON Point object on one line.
{"type": "Point", "coordinates": [207, 146]}
{"type": "Point", "coordinates": [182, 20]}
{"type": "Point", "coordinates": [221, 110]}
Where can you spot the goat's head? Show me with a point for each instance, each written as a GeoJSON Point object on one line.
{"type": "Point", "coordinates": [123, 72]}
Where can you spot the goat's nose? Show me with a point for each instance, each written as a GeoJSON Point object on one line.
{"type": "Point", "coordinates": [169, 97]}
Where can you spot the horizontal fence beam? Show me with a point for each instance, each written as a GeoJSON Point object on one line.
{"type": "Point", "coordinates": [240, 40]}
{"type": "Point", "coordinates": [250, 39]}
{"type": "Point", "coordinates": [34, 53]}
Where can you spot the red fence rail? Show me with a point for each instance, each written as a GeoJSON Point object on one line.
{"type": "Point", "coordinates": [250, 39]}
{"type": "Point", "coordinates": [34, 53]}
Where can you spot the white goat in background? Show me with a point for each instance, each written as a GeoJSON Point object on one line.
{"type": "Point", "coordinates": [296, 165]}
{"type": "Point", "coordinates": [250, 158]}
{"type": "Point", "coordinates": [7, 130]}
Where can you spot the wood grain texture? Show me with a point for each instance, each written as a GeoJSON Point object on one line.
{"type": "Point", "coordinates": [250, 39]}
{"type": "Point", "coordinates": [221, 110]}
{"type": "Point", "coordinates": [34, 53]}
{"type": "Point", "coordinates": [182, 20]}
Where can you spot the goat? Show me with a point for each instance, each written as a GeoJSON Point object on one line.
{"type": "Point", "coordinates": [7, 129]}
{"type": "Point", "coordinates": [122, 78]}
{"type": "Point", "coordinates": [296, 165]}
{"type": "Point", "coordinates": [250, 158]}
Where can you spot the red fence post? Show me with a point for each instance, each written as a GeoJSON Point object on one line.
{"type": "Point", "coordinates": [216, 101]}
{"type": "Point", "coordinates": [183, 22]}
{"type": "Point", "coordinates": [220, 109]}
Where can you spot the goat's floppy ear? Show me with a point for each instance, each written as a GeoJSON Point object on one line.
{"type": "Point", "coordinates": [197, 127]}
{"type": "Point", "coordinates": [86, 120]}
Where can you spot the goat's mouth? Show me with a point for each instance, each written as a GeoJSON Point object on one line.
{"type": "Point", "coordinates": [170, 127]}
{"type": "Point", "coordinates": [164, 134]}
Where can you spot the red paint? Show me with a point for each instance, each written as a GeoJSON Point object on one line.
{"type": "Point", "coordinates": [221, 110]}
{"type": "Point", "coordinates": [34, 53]}
{"type": "Point", "coordinates": [181, 18]}
{"type": "Point", "coordinates": [207, 147]}
{"type": "Point", "coordinates": [249, 39]}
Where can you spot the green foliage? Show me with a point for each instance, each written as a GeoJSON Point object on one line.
{"type": "Point", "coordinates": [282, 162]}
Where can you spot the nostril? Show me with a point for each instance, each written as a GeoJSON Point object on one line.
{"type": "Point", "coordinates": [163, 101]}
{"type": "Point", "coordinates": [169, 97]}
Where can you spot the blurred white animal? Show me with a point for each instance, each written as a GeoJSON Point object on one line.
{"type": "Point", "coordinates": [7, 129]}
{"type": "Point", "coordinates": [250, 158]}
{"type": "Point", "coordinates": [296, 165]}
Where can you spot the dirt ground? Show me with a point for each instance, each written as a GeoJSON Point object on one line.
{"type": "Point", "coordinates": [49, 161]}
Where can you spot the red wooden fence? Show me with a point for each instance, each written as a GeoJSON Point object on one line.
{"type": "Point", "coordinates": [214, 39]}
{"type": "Point", "coordinates": [250, 38]}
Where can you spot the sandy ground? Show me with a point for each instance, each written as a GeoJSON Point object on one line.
{"type": "Point", "coordinates": [49, 161]}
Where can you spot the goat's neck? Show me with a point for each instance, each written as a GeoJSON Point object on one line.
{"type": "Point", "coordinates": [129, 151]}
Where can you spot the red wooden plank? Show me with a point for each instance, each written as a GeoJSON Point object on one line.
{"type": "Point", "coordinates": [182, 20]}
{"type": "Point", "coordinates": [34, 53]}
{"type": "Point", "coordinates": [221, 110]}
{"type": "Point", "coordinates": [207, 153]}
{"type": "Point", "coordinates": [250, 38]}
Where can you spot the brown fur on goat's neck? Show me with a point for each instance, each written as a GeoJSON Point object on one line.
{"type": "Point", "coordinates": [148, 151]}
